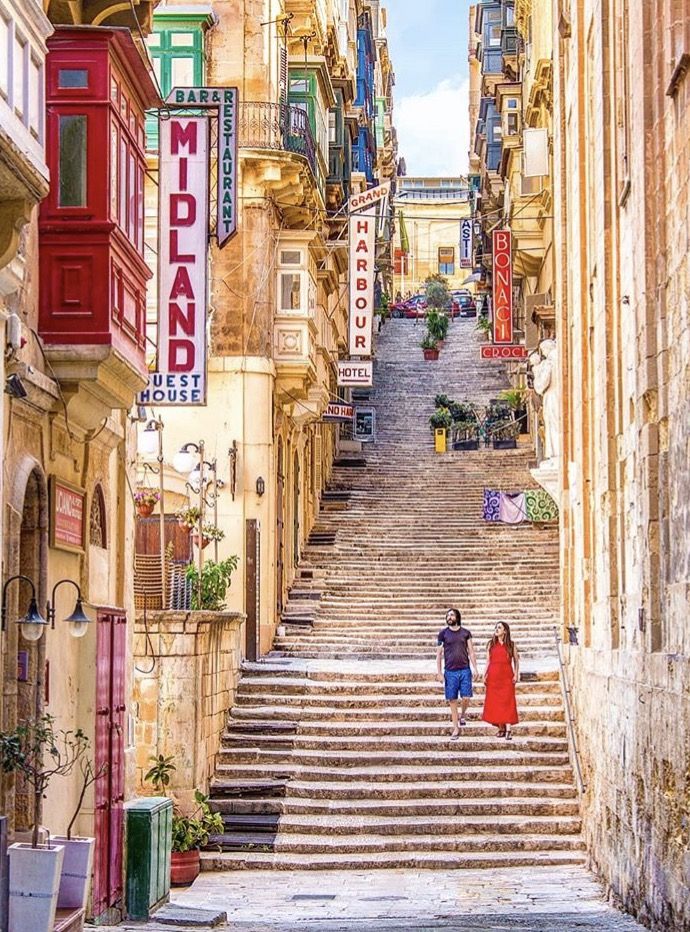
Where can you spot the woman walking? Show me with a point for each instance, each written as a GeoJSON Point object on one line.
{"type": "Point", "coordinates": [502, 673]}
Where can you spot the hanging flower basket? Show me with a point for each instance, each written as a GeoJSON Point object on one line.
{"type": "Point", "coordinates": [203, 542]}
{"type": "Point", "coordinates": [144, 511]}
{"type": "Point", "coordinates": [145, 500]}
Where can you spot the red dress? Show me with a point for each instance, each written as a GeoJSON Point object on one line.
{"type": "Point", "coordinates": [500, 707]}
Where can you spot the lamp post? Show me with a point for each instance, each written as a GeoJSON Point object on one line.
{"type": "Point", "coordinates": [33, 624]}
{"type": "Point", "coordinates": [151, 442]}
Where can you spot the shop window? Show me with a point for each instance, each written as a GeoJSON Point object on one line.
{"type": "Point", "coordinates": [72, 161]}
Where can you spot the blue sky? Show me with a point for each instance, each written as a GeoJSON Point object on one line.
{"type": "Point", "coordinates": [428, 45]}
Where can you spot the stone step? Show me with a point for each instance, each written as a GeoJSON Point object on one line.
{"type": "Point", "coordinates": [332, 745]}
{"type": "Point", "coordinates": [381, 771]}
{"type": "Point", "coordinates": [494, 825]}
{"type": "Point", "coordinates": [528, 714]}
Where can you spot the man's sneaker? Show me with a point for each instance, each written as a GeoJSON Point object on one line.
{"type": "Point", "coordinates": [462, 721]}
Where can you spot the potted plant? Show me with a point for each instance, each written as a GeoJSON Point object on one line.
{"type": "Point", "coordinates": [39, 752]}
{"type": "Point", "coordinates": [210, 532]}
{"type": "Point", "coordinates": [75, 879]}
{"type": "Point", "coordinates": [437, 325]}
{"type": "Point", "coordinates": [215, 579]}
{"type": "Point", "coordinates": [504, 434]}
{"type": "Point", "coordinates": [430, 347]}
{"type": "Point", "coordinates": [440, 418]}
{"type": "Point", "coordinates": [189, 517]}
{"type": "Point", "coordinates": [189, 835]}
{"type": "Point", "coordinates": [483, 325]}
{"type": "Point", "coordinates": [145, 500]}
{"type": "Point", "coordinates": [516, 398]}
{"type": "Point", "coordinates": [443, 401]}
{"type": "Point", "coordinates": [466, 435]}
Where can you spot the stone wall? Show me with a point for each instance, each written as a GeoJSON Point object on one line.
{"type": "Point", "coordinates": [187, 666]}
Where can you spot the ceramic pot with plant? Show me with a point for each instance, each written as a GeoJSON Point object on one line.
{"type": "Point", "coordinates": [189, 518]}
{"type": "Point", "coordinates": [145, 500]}
{"type": "Point", "coordinates": [38, 751]}
{"type": "Point", "coordinates": [483, 327]}
{"type": "Point", "coordinates": [209, 533]}
{"type": "Point", "coordinates": [215, 580]}
{"type": "Point", "coordinates": [429, 347]}
{"type": "Point", "coordinates": [189, 835]}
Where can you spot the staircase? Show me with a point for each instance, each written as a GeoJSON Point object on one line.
{"type": "Point", "coordinates": [337, 753]}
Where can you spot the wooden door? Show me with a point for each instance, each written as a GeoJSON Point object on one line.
{"type": "Point", "coordinates": [111, 647]}
{"type": "Point", "coordinates": [280, 532]}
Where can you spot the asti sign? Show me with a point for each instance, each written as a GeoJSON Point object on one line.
{"type": "Point", "coordinates": [362, 255]}
{"type": "Point", "coordinates": [503, 286]}
{"type": "Point", "coordinates": [466, 244]}
{"type": "Point", "coordinates": [182, 264]}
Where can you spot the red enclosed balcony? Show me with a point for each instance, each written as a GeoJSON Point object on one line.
{"type": "Point", "coordinates": [93, 277]}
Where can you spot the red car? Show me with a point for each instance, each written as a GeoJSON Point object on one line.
{"type": "Point", "coordinates": [415, 307]}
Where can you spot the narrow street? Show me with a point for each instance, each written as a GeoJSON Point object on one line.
{"type": "Point", "coordinates": [337, 781]}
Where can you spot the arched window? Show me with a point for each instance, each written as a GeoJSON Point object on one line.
{"type": "Point", "coordinates": [97, 527]}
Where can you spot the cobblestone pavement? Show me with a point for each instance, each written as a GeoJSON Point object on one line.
{"type": "Point", "coordinates": [529, 899]}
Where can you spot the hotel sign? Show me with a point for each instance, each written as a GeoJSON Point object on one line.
{"type": "Point", "coordinates": [503, 286]}
{"type": "Point", "coordinates": [225, 101]}
{"type": "Point", "coordinates": [362, 257]}
{"type": "Point", "coordinates": [67, 515]}
{"type": "Point", "coordinates": [355, 373]}
{"type": "Point", "coordinates": [183, 180]}
{"type": "Point", "coordinates": [466, 244]}
{"type": "Point", "coordinates": [500, 353]}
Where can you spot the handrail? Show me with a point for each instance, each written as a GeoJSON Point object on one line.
{"type": "Point", "coordinates": [263, 125]}
{"type": "Point", "coordinates": [582, 786]}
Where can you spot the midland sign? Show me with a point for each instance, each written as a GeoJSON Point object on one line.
{"type": "Point", "coordinates": [225, 101]}
{"type": "Point", "coordinates": [503, 287]}
{"type": "Point", "coordinates": [503, 352]}
{"type": "Point", "coordinates": [362, 257]}
{"type": "Point", "coordinates": [355, 372]}
{"type": "Point", "coordinates": [180, 378]}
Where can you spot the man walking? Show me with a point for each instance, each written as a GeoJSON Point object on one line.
{"type": "Point", "coordinates": [456, 652]}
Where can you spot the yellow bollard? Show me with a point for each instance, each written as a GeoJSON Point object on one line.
{"type": "Point", "coordinates": [440, 439]}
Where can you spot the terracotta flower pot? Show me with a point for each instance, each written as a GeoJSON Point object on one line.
{"type": "Point", "coordinates": [184, 867]}
{"type": "Point", "coordinates": [205, 541]}
{"type": "Point", "coordinates": [144, 509]}
{"type": "Point", "coordinates": [430, 354]}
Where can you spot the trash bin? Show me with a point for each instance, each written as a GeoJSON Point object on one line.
{"type": "Point", "coordinates": [149, 845]}
{"type": "Point", "coordinates": [440, 439]}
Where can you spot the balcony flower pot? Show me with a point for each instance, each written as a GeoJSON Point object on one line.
{"type": "Point", "coordinates": [430, 354]}
{"type": "Point", "coordinates": [184, 867]}
{"type": "Point", "coordinates": [506, 443]}
{"type": "Point", "coordinates": [75, 880]}
{"type": "Point", "coordinates": [34, 884]}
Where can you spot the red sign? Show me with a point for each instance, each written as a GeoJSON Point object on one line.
{"type": "Point", "coordinates": [67, 515]}
{"type": "Point", "coordinates": [503, 286]}
{"type": "Point", "coordinates": [503, 352]}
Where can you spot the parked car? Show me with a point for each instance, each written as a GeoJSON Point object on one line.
{"type": "Point", "coordinates": [415, 307]}
{"type": "Point", "coordinates": [466, 303]}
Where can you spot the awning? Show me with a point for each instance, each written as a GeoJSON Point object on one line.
{"type": "Point", "coordinates": [473, 278]}
{"type": "Point", "coordinates": [404, 239]}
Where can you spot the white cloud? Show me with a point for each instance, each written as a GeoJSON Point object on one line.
{"type": "Point", "coordinates": [433, 129]}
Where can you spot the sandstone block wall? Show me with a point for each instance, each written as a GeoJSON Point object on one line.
{"type": "Point", "coordinates": [187, 667]}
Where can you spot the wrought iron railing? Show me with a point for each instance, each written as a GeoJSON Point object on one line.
{"type": "Point", "coordinates": [276, 126]}
{"type": "Point", "coordinates": [569, 717]}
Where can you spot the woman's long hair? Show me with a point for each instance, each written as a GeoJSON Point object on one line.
{"type": "Point", "coordinates": [510, 647]}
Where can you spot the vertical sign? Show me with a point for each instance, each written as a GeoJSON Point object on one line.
{"type": "Point", "coordinates": [362, 255]}
{"type": "Point", "coordinates": [182, 264]}
{"type": "Point", "coordinates": [67, 515]}
{"type": "Point", "coordinates": [503, 286]}
{"type": "Point", "coordinates": [466, 244]}
{"type": "Point", "coordinates": [225, 101]}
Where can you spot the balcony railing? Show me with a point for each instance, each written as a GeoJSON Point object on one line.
{"type": "Point", "coordinates": [277, 127]}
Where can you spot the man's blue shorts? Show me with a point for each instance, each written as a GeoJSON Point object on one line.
{"type": "Point", "coordinates": [458, 683]}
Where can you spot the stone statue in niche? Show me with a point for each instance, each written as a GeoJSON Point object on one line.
{"type": "Point", "coordinates": [545, 373]}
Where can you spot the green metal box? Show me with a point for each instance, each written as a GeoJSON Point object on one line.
{"type": "Point", "coordinates": [149, 843]}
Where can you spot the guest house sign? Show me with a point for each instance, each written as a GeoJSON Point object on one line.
{"type": "Point", "coordinates": [67, 515]}
{"type": "Point", "coordinates": [503, 286]}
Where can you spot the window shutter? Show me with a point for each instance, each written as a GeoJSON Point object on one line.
{"type": "Point", "coordinates": [283, 74]}
{"type": "Point", "coordinates": [318, 471]}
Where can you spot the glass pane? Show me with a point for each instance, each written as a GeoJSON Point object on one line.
{"type": "Point", "coordinates": [73, 77]}
{"type": "Point", "coordinates": [290, 257]}
{"type": "Point", "coordinates": [154, 40]}
{"type": "Point", "coordinates": [132, 191]}
{"type": "Point", "coordinates": [182, 39]}
{"type": "Point", "coordinates": [4, 56]}
{"type": "Point", "coordinates": [182, 72]}
{"type": "Point", "coordinates": [122, 211]}
{"type": "Point", "coordinates": [114, 185]}
{"type": "Point", "coordinates": [36, 98]}
{"type": "Point", "coordinates": [290, 292]}
{"type": "Point", "coordinates": [72, 161]}
{"type": "Point", "coordinates": [19, 70]}
{"type": "Point", "coordinates": [299, 84]}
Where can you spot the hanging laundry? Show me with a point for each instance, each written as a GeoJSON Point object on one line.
{"type": "Point", "coordinates": [492, 501]}
{"type": "Point", "coordinates": [540, 506]}
{"type": "Point", "coordinates": [512, 509]}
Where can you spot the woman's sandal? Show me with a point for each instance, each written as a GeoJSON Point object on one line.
{"type": "Point", "coordinates": [509, 736]}
{"type": "Point", "coordinates": [501, 733]}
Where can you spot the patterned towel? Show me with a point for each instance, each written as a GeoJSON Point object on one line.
{"type": "Point", "coordinates": [492, 500]}
{"type": "Point", "coordinates": [540, 506]}
{"type": "Point", "coordinates": [511, 509]}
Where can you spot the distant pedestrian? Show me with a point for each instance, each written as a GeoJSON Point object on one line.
{"type": "Point", "coordinates": [456, 654]}
{"type": "Point", "coordinates": [502, 673]}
